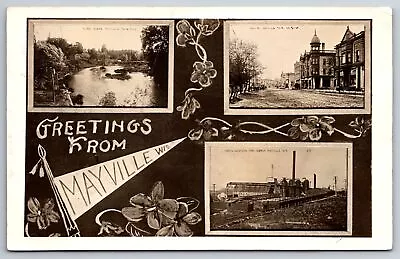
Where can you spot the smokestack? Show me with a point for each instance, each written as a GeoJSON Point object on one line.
{"type": "Point", "coordinates": [315, 181]}
{"type": "Point", "coordinates": [294, 166]}
{"type": "Point", "coordinates": [323, 45]}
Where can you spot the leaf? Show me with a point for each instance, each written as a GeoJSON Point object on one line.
{"type": "Point", "coordinates": [182, 210]}
{"type": "Point", "coordinates": [328, 128]}
{"type": "Point", "coordinates": [53, 217]}
{"type": "Point", "coordinates": [311, 119]}
{"type": "Point", "coordinates": [315, 134]}
{"type": "Point", "coordinates": [152, 221]}
{"type": "Point", "coordinates": [196, 104]}
{"type": "Point", "coordinates": [133, 213]}
{"type": "Point", "coordinates": [33, 205]}
{"type": "Point", "coordinates": [141, 200]}
{"type": "Point", "coordinates": [306, 127]}
{"type": "Point", "coordinates": [327, 119]}
{"type": "Point", "coordinates": [165, 231]}
{"type": "Point", "coordinates": [293, 132]}
{"type": "Point", "coordinates": [48, 206]}
{"type": "Point", "coordinates": [353, 124]}
{"type": "Point", "coordinates": [183, 26]}
{"type": "Point", "coordinates": [192, 218]}
{"type": "Point", "coordinates": [41, 222]}
{"type": "Point", "coordinates": [195, 134]}
{"type": "Point", "coordinates": [183, 230]}
{"type": "Point", "coordinates": [157, 192]}
{"type": "Point", "coordinates": [303, 135]}
{"type": "Point", "coordinates": [181, 40]}
{"type": "Point", "coordinates": [298, 121]}
{"type": "Point", "coordinates": [169, 205]}
{"type": "Point", "coordinates": [190, 202]}
{"type": "Point", "coordinates": [166, 218]}
{"type": "Point", "coordinates": [31, 217]}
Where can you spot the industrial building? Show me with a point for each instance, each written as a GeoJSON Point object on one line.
{"type": "Point", "coordinates": [293, 187]}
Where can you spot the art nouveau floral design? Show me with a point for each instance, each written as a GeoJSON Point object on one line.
{"type": "Point", "coordinates": [306, 128]}
{"type": "Point", "coordinates": [41, 216]}
{"type": "Point", "coordinates": [203, 70]}
{"type": "Point", "coordinates": [153, 215]}
{"type": "Point", "coordinates": [311, 127]}
{"type": "Point", "coordinates": [203, 73]}
{"type": "Point", "coordinates": [188, 106]}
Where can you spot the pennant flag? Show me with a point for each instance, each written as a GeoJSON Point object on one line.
{"type": "Point", "coordinates": [82, 189]}
{"type": "Point", "coordinates": [42, 168]}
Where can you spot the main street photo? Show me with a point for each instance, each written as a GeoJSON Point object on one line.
{"type": "Point", "coordinates": [298, 64]}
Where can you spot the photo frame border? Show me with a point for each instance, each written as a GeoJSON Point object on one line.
{"type": "Point", "coordinates": [367, 107]}
{"type": "Point", "coordinates": [349, 178]}
{"type": "Point", "coordinates": [95, 109]}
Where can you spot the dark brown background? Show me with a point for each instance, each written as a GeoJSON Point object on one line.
{"type": "Point", "coordinates": [181, 169]}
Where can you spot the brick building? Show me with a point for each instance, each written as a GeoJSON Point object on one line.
{"type": "Point", "coordinates": [350, 61]}
{"type": "Point", "coordinates": [287, 80]}
{"type": "Point", "coordinates": [315, 69]}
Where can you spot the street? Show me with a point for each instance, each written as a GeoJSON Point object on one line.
{"type": "Point", "coordinates": [285, 98]}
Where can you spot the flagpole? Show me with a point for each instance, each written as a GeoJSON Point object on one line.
{"type": "Point", "coordinates": [70, 224]}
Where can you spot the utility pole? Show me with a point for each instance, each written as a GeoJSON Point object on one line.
{"type": "Point", "coordinates": [272, 170]}
{"type": "Point", "coordinates": [335, 179]}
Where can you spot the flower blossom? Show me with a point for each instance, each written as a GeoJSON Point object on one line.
{"type": "Point", "coordinates": [153, 207]}
{"type": "Point", "coordinates": [207, 26]}
{"type": "Point", "coordinates": [42, 215]}
{"type": "Point", "coordinates": [203, 73]}
{"type": "Point", "coordinates": [179, 226]}
{"type": "Point", "coordinates": [188, 106]}
{"type": "Point", "coordinates": [311, 127]}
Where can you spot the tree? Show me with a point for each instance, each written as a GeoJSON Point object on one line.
{"type": "Point", "coordinates": [48, 61]}
{"type": "Point", "coordinates": [108, 99]}
{"type": "Point", "coordinates": [243, 65]}
{"type": "Point", "coordinates": [60, 43]}
{"type": "Point", "coordinates": [155, 51]}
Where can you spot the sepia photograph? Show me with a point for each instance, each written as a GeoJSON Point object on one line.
{"type": "Point", "coordinates": [297, 65]}
{"type": "Point", "coordinates": [278, 188]}
{"type": "Point", "coordinates": [94, 65]}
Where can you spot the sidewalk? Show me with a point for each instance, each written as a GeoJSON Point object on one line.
{"type": "Point", "coordinates": [331, 91]}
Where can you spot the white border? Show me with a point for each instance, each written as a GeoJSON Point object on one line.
{"type": "Point", "coordinates": [381, 131]}
{"type": "Point", "coordinates": [312, 111]}
{"type": "Point", "coordinates": [208, 171]}
{"type": "Point", "coordinates": [170, 90]}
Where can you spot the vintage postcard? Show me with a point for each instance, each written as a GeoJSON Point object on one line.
{"type": "Point", "coordinates": [83, 65]}
{"type": "Point", "coordinates": [133, 128]}
{"type": "Point", "coordinates": [297, 66]}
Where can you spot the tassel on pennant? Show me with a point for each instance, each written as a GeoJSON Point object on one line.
{"type": "Point", "coordinates": [34, 169]}
{"type": "Point", "coordinates": [43, 169]}
{"type": "Point", "coordinates": [41, 172]}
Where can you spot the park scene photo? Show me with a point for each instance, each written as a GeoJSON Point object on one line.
{"type": "Point", "coordinates": [99, 63]}
{"type": "Point", "coordinates": [295, 64]}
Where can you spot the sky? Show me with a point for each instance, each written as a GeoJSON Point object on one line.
{"type": "Point", "coordinates": [115, 36]}
{"type": "Point", "coordinates": [280, 47]}
{"type": "Point", "coordinates": [231, 164]}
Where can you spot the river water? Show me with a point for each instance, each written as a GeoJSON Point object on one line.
{"type": "Point", "coordinates": [93, 85]}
